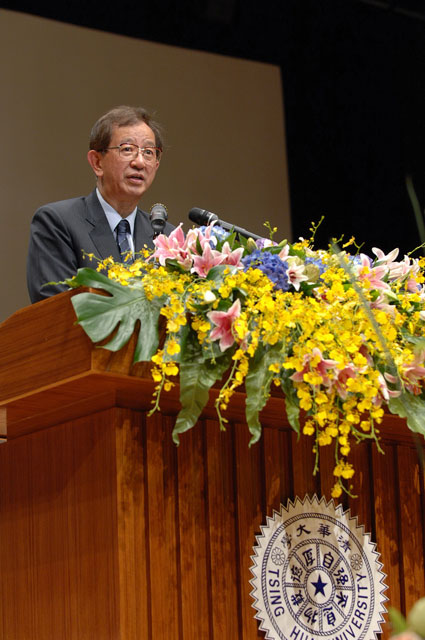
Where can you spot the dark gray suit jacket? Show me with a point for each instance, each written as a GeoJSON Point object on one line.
{"type": "Point", "coordinates": [62, 231]}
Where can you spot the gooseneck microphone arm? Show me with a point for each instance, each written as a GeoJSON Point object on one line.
{"type": "Point", "coordinates": [204, 217]}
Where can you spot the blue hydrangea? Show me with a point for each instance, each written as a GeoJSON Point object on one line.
{"type": "Point", "coordinates": [271, 265]}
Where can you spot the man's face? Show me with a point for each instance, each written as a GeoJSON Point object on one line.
{"type": "Point", "coordinates": [122, 181]}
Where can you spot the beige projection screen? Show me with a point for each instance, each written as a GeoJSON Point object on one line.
{"type": "Point", "coordinates": [223, 119]}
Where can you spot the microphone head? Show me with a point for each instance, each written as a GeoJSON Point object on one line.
{"type": "Point", "coordinates": [202, 216]}
{"type": "Point", "coordinates": [158, 211]}
{"type": "Point", "coordinates": [158, 217]}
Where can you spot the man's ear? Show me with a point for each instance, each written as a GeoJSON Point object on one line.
{"type": "Point", "coordinates": [95, 161]}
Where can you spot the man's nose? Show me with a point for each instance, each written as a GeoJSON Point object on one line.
{"type": "Point", "coordinates": [139, 159]}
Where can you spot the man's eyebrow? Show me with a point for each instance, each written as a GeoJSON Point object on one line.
{"type": "Point", "coordinates": [148, 142]}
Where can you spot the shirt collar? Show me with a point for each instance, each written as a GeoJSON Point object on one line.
{"type": "Point", "coordinates": [113, 217]}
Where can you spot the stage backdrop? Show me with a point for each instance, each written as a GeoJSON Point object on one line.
{"type": "Point", "coordinates": [223, 118]}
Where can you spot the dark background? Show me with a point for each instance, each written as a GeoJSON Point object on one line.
{"type": "Point", "coordinates": [353, 78]}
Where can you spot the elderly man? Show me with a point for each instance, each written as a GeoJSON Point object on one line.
{"type": "Point", "coordinates": [125, 151]}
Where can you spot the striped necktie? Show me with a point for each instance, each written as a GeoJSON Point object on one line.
{"type": "Point", "coordinates": [122, 229]}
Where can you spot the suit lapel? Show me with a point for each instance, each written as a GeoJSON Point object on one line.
{"type": "Point", "coordinates": [100, 233]}
{"type": "Point", "coordinates": [143, 232]}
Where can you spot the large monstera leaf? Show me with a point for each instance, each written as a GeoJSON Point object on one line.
{"type": "Point", "coordinates": [196, 380]}
{"type": "Point", "coordinates": [100, 315]}
{"type": "Point", "coordinates": [412, 408]}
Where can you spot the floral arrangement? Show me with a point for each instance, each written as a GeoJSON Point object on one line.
{"type": "Point", "coordinates": [341, 334]}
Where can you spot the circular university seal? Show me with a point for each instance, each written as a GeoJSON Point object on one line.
{"type": "Point", "coordinates": [317, 575]}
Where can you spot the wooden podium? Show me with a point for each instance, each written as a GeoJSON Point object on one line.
{"type": "Point", "coordinates": [108, 531]}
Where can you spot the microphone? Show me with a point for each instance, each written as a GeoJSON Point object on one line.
{"type": "Point", "coordinates": [158, 217]}
{"type": "Point", "coordinates": [204, 217]}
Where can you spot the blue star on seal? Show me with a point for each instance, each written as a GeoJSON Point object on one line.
{"type": "Point", "coordinates": [319, 585]}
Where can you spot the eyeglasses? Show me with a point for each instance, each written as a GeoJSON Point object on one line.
{"type": "Point", "coordinates": [131, 151]}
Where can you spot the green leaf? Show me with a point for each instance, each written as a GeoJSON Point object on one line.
{"type": "Point", "coordinates": [291, 404]}
{"type": "Point", "coordinates": [174, 265]}
{"type": "Point", "coordinates": [418, 341]}
{"type": "Point", "coordinates": [191, 350]}
{"type": "Point", "coordinates": [412, 408]}
{"type": "Point", "coordinates": [216, 273]}
{"type": "Point", "coordinates": [99, 315]}
{"type": "Point", "coordinates": [196, 379]}
{"type": "Point", "coordinates": [297, 252]}
{"type": "Point", "coordinates": [234, 242]}
{"type": "Point", "coordinates": [257, 387]}
{"type": "Point", "coordinates": [397, 621]}
{"type": "Point", "coordinates": [308, 288]}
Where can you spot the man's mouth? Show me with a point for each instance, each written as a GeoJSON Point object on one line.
{"type": "Point", "coordinates": [136, 178]}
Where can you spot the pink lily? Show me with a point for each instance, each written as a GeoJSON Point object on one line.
{"type": "Point", "coordinates": [373, 274]}
{"type": "Point", "coordinates": [340, 383]}
{"type": "Point", "coordinates": [396, 270]}
{"type": "Point", "coordinates": [382, 304]}
{"type": "Point", "coordinates": [230, 257]}
{"type": "Point", "coordinates": [195, 236]}
{"type": "Point", "coordinates": [284, 253]}
{"type": "Point", "coordinates": [321, 367]}
{"type": "Point", "coordinates": [209, 259]}
{"type": "Point", "coordinates": [172, 247]}
{"type": "Point", "coordinates": [414, 373]}
{"type": "Point", "coordinates": [224, 321]}
{"type": "Point", "coordinates": [392, 393]}
{"type": "Point", "coordinates": [383, 387]}
{"type": "Point", "coordinates": [399, 270]}
{"type": "Point", "coordinates": [412, 285]}
{"type": "Point", "coordinates": [385, 259]}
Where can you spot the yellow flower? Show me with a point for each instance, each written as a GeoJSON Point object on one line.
{"type": "Point", "coordinates": [344, 469]}
{"type": "Point", "coordinates": [156, 375]}
{"type": "Point", "coordinates": [308, 429]}
{"type": "Point", "coordinates": [171, 369]}
{"type": "Point", "coordinates": [274, 367]}
{"type": "Point", "coordinates": [173, 347]}
{"type": "Point", "coordinates": [157, 357]}
{"type": "Point", "coordinates": [336, 490]}
{"type": "Point", "coordinates": [323, 439]}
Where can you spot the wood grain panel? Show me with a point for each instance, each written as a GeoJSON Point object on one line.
{"type": "Point", "coordinates": [411, 524]}
{"type": "Point", "coordinates": [195, 583]}
{"type": "Point", "coordinates": [50, 346]}
{"type": "Point", "coordinates": [362, 505]}
{"type": "Point", "coordinates": [277, 469]}
{"type": "Point", "coordinates": [326, 477]}
{"type": "Point", "coordinates": [132, 529]}
{"type": "Point", "coordinates": [387, 518]}
{"type": "Point", "coordinates": [222, 532]}
{"type": "Point", "coordinates": [110, 526]}
{"type": "Point", "coordinates": [57, 534]}
{"type": "Point", "coordinates": [250, 515]}
{"type": "Point", "coordinates": [302, 466]}
{"type": "Point", "coordinates": [164, 542]}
